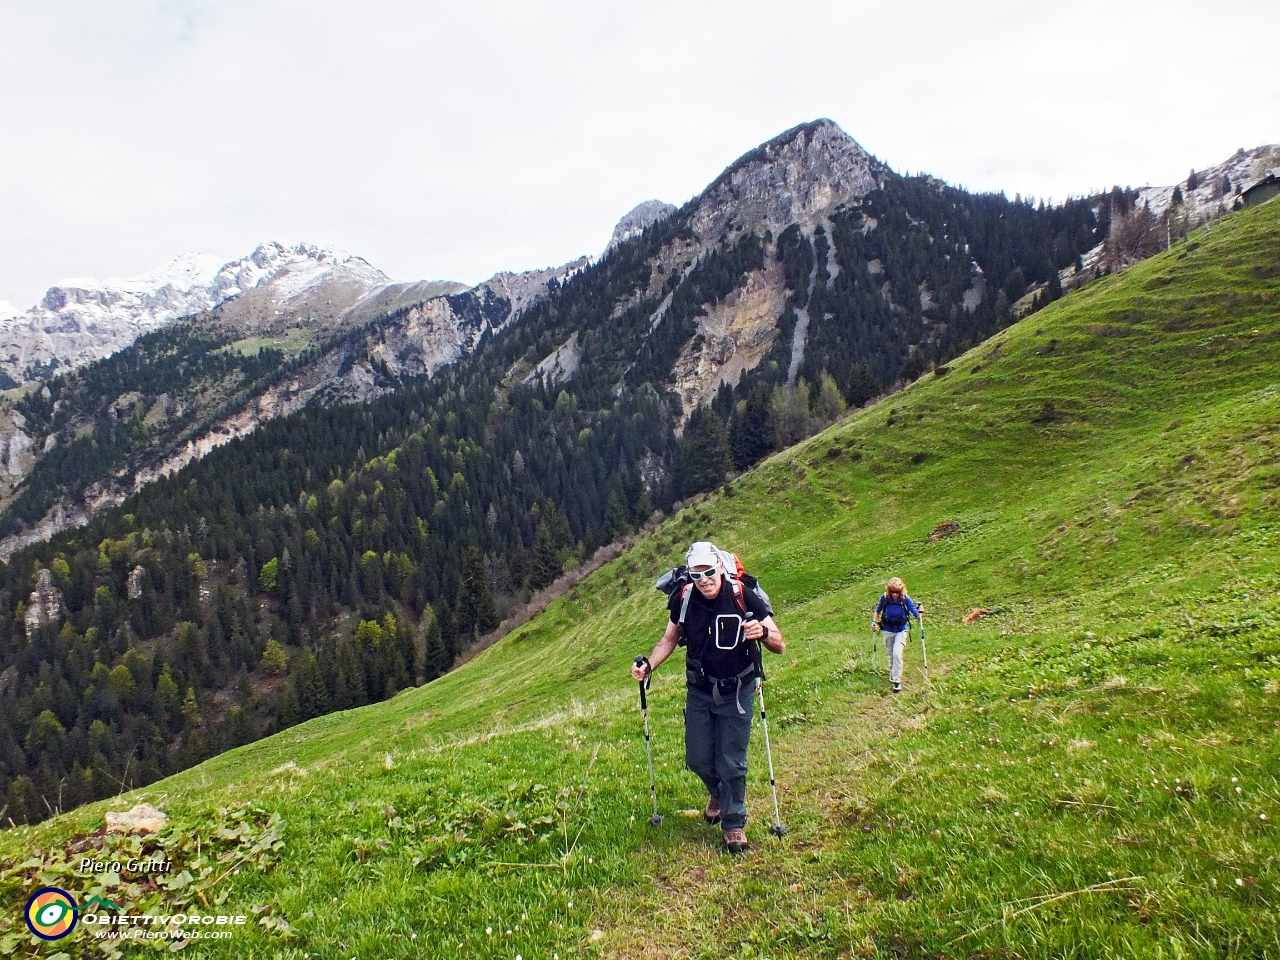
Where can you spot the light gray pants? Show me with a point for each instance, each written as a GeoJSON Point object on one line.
{"type": "Point", "coordinates": [893, 645]}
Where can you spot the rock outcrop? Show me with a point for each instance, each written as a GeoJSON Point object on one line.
{"type": "Point", "coordinates": [133, 586]}
{"type": "Point", "coordinates": [44, 606]}
{"type": "Point", "coordinates": [634, 222]}
{"type": "Point", "coordinates": [1215, 187]}
{"type": "Point", "coordinates": [143, 818]}
{"type": "Point", "coordinates": [732, 338]}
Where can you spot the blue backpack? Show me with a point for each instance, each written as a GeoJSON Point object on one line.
{"type": "Point", "coordinates": [895, 615]}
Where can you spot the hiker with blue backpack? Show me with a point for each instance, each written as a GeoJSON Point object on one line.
{"type": "Point", "coordinates": [892, 617]}
{"type": "Point", "coordinates": [722, 618]}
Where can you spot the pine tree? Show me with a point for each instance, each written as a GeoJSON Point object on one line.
{"type": "Point", "coordinates": [617, 517]}
{"type": "Point", "coordinates": [750, 437]}
{"type": "Point", "coordinates": [308, 685]}
{"type": "Point", "coordinates": [287, 710]}
{"type": "Point", "coordinates": [550, 539]}
{"type": "Point", "coordinates": [191, 710]}
{"type": "Point", "coordinates": [349, 689]}
{"type": "Point", "coordinates": [476, 611]}
{"type": "Point", "coordinates": [862, 384]}
{"type": "Point", "coordinates": [828, 404]}
{"type": "Point", "coordinates": [704, 453]}
{"type": "Point", "coordinates": [436, 660]}
{"type": "Point", "coordinates": [274, 659]}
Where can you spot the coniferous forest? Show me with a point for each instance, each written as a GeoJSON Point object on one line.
{"type": "Point", "coordinates": [340, 554]}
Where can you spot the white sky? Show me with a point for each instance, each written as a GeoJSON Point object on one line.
{"type": "Point", "coordinates": [452, 140]}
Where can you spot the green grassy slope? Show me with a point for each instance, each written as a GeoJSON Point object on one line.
{"type": "Point", "coordinates": [1090, 771]}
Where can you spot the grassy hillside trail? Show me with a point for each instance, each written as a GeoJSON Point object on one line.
{"type": "Point", "coordinates": [1091, 772]}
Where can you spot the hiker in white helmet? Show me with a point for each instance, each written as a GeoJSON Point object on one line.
{"type": "Point", "coordinates": [719, 614]}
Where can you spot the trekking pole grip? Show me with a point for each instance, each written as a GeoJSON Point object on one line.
{"type": "Point", "coordinates": [643, 661]}
{"type": "Point", "coordinates": [757, 658]}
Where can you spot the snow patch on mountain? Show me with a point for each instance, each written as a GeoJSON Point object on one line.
{"type": "Point", "coordinates": [183, 273]}
{"type": "Point", "coordinates": [1217, 186]}
{"type": "Point", "coordinates": [82, 319]}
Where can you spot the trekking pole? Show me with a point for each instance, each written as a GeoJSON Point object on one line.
{"type": "Point", "coordinates": [924, 654]}
{"type": "Point", "coordinates": [778, 829]}
{"type": "Point", "coordinates": [642, 661]}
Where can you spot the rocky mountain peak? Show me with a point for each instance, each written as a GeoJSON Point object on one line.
{"type": "Point", "coordinates": [640, 216]}
{"type": "Point", "coordinates": [798, 176]}
{"type": "Point", "coordinates": [529, 286]}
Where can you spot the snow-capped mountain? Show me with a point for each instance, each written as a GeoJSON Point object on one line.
{"type": "Point", "coordinates": [81, 320]}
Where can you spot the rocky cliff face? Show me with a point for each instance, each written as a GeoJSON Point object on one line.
{"type": "Point", "coordinates": [799, 177]}
{"type": "Point", "coordinates": [733, 337]}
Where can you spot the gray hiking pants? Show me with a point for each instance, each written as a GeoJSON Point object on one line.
{"type": "Point", "coordinates": [715, 748]}
{"type": "Point", "coordinates": [893, 644]}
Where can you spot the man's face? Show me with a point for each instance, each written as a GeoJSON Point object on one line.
{"type": "Point", "coordinates": [708, 582]}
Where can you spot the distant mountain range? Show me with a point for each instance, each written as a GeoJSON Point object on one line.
{"type": "Point", "coordinates": [346, 332]}
{"type": "Point", "coordinates": [79, 321]}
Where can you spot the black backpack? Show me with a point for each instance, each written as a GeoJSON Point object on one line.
{"type": "Point", "coordinates": [677, 579]}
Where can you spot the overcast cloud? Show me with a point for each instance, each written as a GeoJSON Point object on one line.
{"type": "Point", "coordinates": [452, 140]}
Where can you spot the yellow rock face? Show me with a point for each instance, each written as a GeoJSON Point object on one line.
{"type": "Point", "coordinates": [732, 338]}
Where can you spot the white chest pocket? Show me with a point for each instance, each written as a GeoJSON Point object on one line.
{"type": "Point", "coordinates": [728, 630]}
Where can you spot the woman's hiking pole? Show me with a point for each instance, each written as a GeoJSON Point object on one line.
{"type": "Point", "coordinates": [641, 661]}
{"type": "Point", "coordinates": [778, 829]}
{"type": "Point", "coordinates": [924, 654]}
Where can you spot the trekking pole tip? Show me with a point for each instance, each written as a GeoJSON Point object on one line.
{"type": "Point", "coordinates": [778, 829]}
{"type": "Point", "coordinates": [655, 820]}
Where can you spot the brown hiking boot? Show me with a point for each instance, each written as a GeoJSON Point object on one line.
{"type": "Point", "coordinates": [712, 813]}
{"type": "Point", "coordinates": [736, 840]}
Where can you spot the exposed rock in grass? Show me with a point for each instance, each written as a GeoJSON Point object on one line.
{"type": "Point", "coordinates": [944, 530]}
{"type": "Point", "coordinates": [143, 818]}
